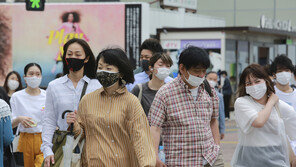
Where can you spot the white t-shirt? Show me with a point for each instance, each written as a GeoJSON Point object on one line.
{"type": "Point", "coordinates": [194, 93]}
{"type": "Point", "coordinates": [23, 104]}
{"type": "Point", "coordinates": [266, 144]}
{"type": "Point", "coordinates": [289, 98]}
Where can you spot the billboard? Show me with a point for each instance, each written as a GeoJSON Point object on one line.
{"type": "Point", "coordinates": [39, 36]}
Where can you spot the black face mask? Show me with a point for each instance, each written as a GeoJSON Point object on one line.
{"type": "Point", "coordinates": [145, 65]}
{"type": "Point", "coordinates": [107, 78]}
{"type": "Point", "coordinates": [74, 64]}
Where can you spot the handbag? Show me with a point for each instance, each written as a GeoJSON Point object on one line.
{"type": "Point", "coordinates": [17, 158]}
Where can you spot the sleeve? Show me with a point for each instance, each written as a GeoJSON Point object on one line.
{"type": "Point", "coordinates": [49, 124]}
{"type": "Point", "coordinates": [221, 115]}
{"type": "Point", "coordinates": [245, 114]}
{"type": "Point", "coordinates": [157, 112]}
{"type": "Point", "coordinates": [288, 115]}
{"type": "Point", "coordinates": [136, 91]}
{"type": "Point", "coordinates": [7, 127]}
{"type": "Point", "coordinates": [8, 134]}
{"type": "Point", "coordinates": [80, 123]}
{"type": "Point", "coordinates": [13, 107]}
{"type": "Point", "coordinates": [139, 132]}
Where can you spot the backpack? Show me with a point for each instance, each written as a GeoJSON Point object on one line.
{"type": "Point", "coordinates": [208, 87]}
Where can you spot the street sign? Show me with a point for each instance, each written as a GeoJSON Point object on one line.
{"type": "Point", "coordinates": [35, 5]}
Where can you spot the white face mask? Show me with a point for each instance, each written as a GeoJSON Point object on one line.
{"type": "Point", "coordinates": [283, 77]}
{"type": "Point", "coordinates": [193, 80]}
{"type": "Point", "coordinates": [213, 83]}
{"type": "Point", "coordinates": [12, 84]}
{"type": "Point", "coordinates": [162, 73]}
{"type": "Point", "coordinates": [33, 82]}
{"type": "Point", "coordinates": [256, 91]}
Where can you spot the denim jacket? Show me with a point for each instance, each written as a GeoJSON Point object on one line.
{"type": "Point", "coordinates": [6, 135]}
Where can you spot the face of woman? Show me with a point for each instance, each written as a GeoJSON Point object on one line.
{"type": "Point", "coordinates": [13, 77]}
{"type": "Point", "coordinates": [160, 64]}
{"type": "Point", "coordinates": [106, 67]}
{"type": "Point", "coordinates": [76, 51]}
{"type": "Point", "coordinates": [34, 71]}
{"type": "Point", "coordinates": [250, 81]}
{"type": "Point", "coordinates": [70, 17]}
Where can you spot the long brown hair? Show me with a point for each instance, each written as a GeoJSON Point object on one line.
{"type": "Point", "coordinates": [257, 71]}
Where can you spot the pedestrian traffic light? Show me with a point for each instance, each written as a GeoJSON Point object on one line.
{"type": "Point", "coordinates": [35, 5]}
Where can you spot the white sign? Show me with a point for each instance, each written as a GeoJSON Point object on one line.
{"type": "Point", "coordinates": [188, 4]}
{"type": "Point", "coordinates": [171, 44]}
{"type": "Point", "coordinates": [285, 25]}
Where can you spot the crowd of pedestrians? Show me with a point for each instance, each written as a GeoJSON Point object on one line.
{"type": "Point", "coordinates": [122, 117]}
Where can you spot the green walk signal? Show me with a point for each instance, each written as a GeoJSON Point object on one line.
{"type": "Point", "coordinates": [35, 5]}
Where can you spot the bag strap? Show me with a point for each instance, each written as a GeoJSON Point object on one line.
{"type": "Point", "coordinates": [83, 90]}
{"type": "Point", "coordinates": [208, 87]}
{"type": "Point", "coordinates": [76, 141]}
{"type": "Point", "coordinates": [140, 92]}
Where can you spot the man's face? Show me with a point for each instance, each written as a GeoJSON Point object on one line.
{"type": "Point", "coordinates": [279, 70]}
{"type": "Point", "coordinates": [212, 77]}
{"type": "Point", "coordinates": [197, 71]}
{"type": "Point", "coordinates": [145, 55]}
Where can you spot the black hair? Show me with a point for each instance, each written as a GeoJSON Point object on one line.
{"type": "Point", "coordinates": [89, 67]}
{"type": "Point", "coordinates": [5, 86]}
{"type": "Point", "coordinates": [58, 75]}
{"type": "Point", "coordinates": [118, 58]}
{"type": "Point", "coordinates": [294, 71]}
{"type": "Point", "coordinates": [281, 62]}
{"type": "Point", "coordinates": [194, 56]}
{"type": "Point", "coordinates": [223, 72]}
{"type": "Point", "coordinates": [31, 65]}
{"type": "Point", "coordinates": [160, 55]}
{"type": "Point", "coordinates": [151, 44]}
{"type": "Point", "coordinates": [76, 16]}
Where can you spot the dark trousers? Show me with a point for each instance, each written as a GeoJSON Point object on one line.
{"type": "Point", "coordinates": [226, 99]}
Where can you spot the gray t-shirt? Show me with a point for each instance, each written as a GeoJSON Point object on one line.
{"type": "Point", "coordinates": [147, 96]}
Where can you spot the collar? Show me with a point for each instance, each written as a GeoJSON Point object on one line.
{"type": "Point", "coordinates": [121, 90]}
{"type": "Point", "coordinates": [65, 79]}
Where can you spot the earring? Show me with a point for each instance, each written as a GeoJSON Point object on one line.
{"type": "Point", "coordinates": [123, 81]}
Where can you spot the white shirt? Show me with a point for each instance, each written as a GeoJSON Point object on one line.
{"type": "Point", "coordinates": [289, 98]}
{"type": "Point", "coordinates": [23, 104]}
{"type": "Point", "coordinates": [60, 96]}
{"type": "Point", "coordinates": [271, 136]}
{"type": "Point", "coordinates": [194, 93]}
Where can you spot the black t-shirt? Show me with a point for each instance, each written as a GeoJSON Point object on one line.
{"type": "Point", "coordinates": [147, 96]}
{"type": "Point", "coordinates": [4, 96]}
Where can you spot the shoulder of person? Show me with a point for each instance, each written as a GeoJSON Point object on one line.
{"type": "Point", "coordinates": [135, 91]}
{"type": "Point", "coordinates": [56, 81]}
{"type": "Point", "coordinates": [95, 82]}
{"type": "Point", "coordinates": [19, 93]}
{"type": "Point", "coordinates": [285, 106]}
{"type": "Point", "coordinates": [91, 95]}
{"type": "Point", "coordinates": [4, 109]}
{"type": "Point", "coordinates": [43, 91]}
{"type": "Point", "coordinates": [245, 100]}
